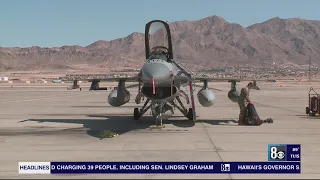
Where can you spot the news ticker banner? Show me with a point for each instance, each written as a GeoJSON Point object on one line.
{"type": "Point", "coordinates": [278, 167]}
{"type": "Point", "coordinates": [284, 152]}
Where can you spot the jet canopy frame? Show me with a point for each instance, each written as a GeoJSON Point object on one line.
{"type": "Point", "coordinates": [147, 40]}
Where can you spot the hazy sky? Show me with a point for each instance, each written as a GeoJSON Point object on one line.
{"type": "Point", "coordinates": [49, 23]}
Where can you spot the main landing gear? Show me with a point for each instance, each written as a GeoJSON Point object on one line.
{"type": "Point", "coordinates": [136, 114]}
{"type": "Point", "coordinates": [190, 114]}
{"type": "Point", "coordinates": [157, 111]}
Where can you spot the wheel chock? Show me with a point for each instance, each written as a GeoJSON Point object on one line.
{"type": "Point", "coordinates": [108, 134]}
{"type": "Point", "coordinates": [157, 126]}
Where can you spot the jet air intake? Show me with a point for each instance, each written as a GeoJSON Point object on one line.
{"type": "Point", "coordinates": [163, 93]}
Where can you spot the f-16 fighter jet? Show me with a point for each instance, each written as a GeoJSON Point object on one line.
{"type": "Point", "coordinates": [160, 80]}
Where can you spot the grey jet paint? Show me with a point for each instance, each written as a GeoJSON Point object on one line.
{"type": "Point", "coordinates": [161, 78]}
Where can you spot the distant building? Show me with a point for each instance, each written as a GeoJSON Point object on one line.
{"type": "Point", "coordinates": [4, 79]}
{"type": "Point", "coordinates": [56, 80]}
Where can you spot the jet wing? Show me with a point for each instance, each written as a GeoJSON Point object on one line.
{"type": "Point", "coordinates": [209, 79]}
{"type": "Point", "coordinates": [95, 81]}
{"type": "Point", "coordinates": [111, 79]}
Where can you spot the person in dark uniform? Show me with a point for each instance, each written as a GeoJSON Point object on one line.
{"type": "Point", "coordinates": [243, 101]}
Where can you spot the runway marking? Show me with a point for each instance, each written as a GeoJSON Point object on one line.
{"type": "Point", "coordinates": [214, 146]}
{"type": "Point", "coordinates": [46, 97]}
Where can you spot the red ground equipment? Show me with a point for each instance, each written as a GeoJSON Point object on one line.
{"type": "Point", "coordinates": [314, 103]}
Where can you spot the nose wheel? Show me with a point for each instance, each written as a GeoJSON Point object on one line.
{"type": "Point", "coordinates": [159, 120]}
{"type": "Point", "coordinates": [136, 114]}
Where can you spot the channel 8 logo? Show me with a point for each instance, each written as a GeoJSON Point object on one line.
{"type": "Point", "coordinates": [276, 152]}
{"type": "Point", "coordinates": [225, 167]}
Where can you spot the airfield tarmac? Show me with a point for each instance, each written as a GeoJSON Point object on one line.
{"type": "Point", "coordinates": [53, 124]}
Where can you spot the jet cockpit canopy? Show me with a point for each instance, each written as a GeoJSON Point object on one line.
{"type": "Point", "coordinates": [158, 40]}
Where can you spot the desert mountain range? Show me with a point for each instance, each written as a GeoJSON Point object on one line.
{"type": "Point", "coordinates": [208, 42]}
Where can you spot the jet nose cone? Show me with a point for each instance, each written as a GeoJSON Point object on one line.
{"type": "Point", "coordinates": [158, 70]}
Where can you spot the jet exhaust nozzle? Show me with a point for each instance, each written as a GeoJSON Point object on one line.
{"type": "Point", "coordinates": [118, 97]}
{"type": "Point", "coordinates": [206, 97]}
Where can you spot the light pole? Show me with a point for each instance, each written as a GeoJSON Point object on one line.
{"type": "Point", "coordinates": [309, 70]}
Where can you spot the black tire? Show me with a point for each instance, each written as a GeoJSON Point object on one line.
{"type": "Point", "coordinates": [307, 110]}
{"type": "Point", "coordinates": [190, 114]}
{"type": "Point", "coordinates": [136, 114]}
